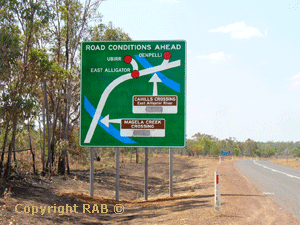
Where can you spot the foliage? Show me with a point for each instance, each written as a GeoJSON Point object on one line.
{"type": "Point", "coordinates": [102, 32]}
{"type": "Point", "coordinates": [204, 144]}
{"type": "Point", "coordinates": [40, 72]}
{"type": "Point", "coordinates": [236, 151]}
{"type": "Point", "coordinates": [296, 151]}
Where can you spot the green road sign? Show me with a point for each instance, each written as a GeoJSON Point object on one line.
{"type": "Point", "coordinates": [133, 94]}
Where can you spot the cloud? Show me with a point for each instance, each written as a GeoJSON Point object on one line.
{"type": "Point", "coordinates": [239, 30]}
{"type": "Point", "coordinates": [215, 57]}
{"type": "Point", "coordinates": [263, 62]}
{"type": "Point", "coordinates": [295, 81]}
{"type": "Point", "coordinates": [210, 99]}
{"type": "Point", "coordinates": [169, 1]}
{"type": "Point", "coordinates": [296, 77]}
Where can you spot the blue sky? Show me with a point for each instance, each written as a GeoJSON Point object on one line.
{"type": "Point", "coordinates": [243, 61]}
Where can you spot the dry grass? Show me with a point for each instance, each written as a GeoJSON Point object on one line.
{"type": "Point", "coordinates": [295, 163]}
{"type": "Point", "coordinates": [85, 198]}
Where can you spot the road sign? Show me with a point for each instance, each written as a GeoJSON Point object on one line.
{"type": "Point", "coordinates": [226, 153]}
{"type": "Point", "coordinates": [133, 94]}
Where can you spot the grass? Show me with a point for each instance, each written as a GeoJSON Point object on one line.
{"type": "Point", "coordinates": [288, 162]}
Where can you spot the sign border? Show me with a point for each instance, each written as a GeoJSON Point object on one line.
{"type": "Point", "coordinates": [138, 145]}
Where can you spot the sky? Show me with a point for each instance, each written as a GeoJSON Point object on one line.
{"type": "Point", "coordinates": [243, 61]}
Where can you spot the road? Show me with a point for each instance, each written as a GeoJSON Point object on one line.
{"type": "Point", "coordinates": [280, 183]}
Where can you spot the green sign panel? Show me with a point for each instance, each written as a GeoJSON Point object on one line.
{"type": "Point", "coordinates": [133, 94]}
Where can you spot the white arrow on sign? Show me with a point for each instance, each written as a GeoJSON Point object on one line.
{"type": "Point", "coordinates": [155, 79]}
{"type": "Point", "coordinates": [106, 121]}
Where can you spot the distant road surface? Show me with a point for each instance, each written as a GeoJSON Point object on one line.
{"type": "Point", "coordinates": [280, 183]}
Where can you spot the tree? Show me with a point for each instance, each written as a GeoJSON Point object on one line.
{"type": "Point", "coordinates": [236, 151]}
{"type": "Point", "coordinates": [208, 146]}
{"type": "Point", "coordinates": [267, 150]}
{"type": "Point", "coordinates": [101, 32]}
{"type": "Point", "coordinates": [296, 151]}
{"type": "Point", "coordinates": [17, 97]}
{"type": "Point", "coordinates": [250, 147]}
{"type": "Point", "coordinates": [40, 66]}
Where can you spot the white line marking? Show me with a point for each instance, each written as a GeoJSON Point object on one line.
{"type": "Point", "coordinates": [115, 83]}
{"type": "Point", "coordinates": [268, 193]}
{"type": "Point", "coordinates": [277, 171]}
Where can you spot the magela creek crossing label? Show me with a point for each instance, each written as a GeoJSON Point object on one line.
{"type": "Point", "coordinates": [133, 94]}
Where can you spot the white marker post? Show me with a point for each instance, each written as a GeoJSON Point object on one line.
{"type": "Point", "coordinates": [217, 193]}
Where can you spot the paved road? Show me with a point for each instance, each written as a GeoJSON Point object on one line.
{"type": "Point", "coordinates": [280, 183]}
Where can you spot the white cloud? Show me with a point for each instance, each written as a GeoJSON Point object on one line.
{"type": "Point", "coordinates": [215, 57]}
{"type": "Point", "coordinates": [263, 62]}
{"type": "Point", "coordinates": [210, 99]}
{"type": "Point", "coordinates": [239, 30]}
{"type": "Point", "coordinates": [295, 81]}
{"type": "Point", "coordinates": [296, 77]}
{"type": "Point", "coordinates": [169, 1]}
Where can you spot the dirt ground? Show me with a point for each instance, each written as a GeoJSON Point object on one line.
{"type": "Point", "coordinates": [66, 200]}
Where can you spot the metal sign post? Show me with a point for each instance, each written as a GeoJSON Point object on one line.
{"type": "Point", "coordinates": [92, 172]}
{"type": "Point", "coordinates": [146, 174]}
{"type": "Point", "coordinates": [117, 172]}
{"type": "Point", "coordinates": [171, 172]}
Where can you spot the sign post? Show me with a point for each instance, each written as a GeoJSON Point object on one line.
{"type": "Point", "coordinates": [146, 174]}
{"type": "Point", "coordinates": [171, 172]}
{"type": "Point", "coordinates": [133, 95]}
{"type": "Point", "coordinates": [217, 192]}
{"type": "Point", "coordinates": [117, 172]}
{"type": "Point", "coordinates": [92, 172]}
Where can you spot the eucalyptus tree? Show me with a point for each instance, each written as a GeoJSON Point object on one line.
{"type": "Point", "coordinates": [68, 26]}
{"type": "Point", "coordinates": [23, 17]}
{"type": "Point", "coordinates": [9, 53]}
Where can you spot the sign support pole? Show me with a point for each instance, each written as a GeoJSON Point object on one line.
{"type": "Point", "coordinates": [171, 171]}
{"type": "Point", "coordinates": [117, 172]}
{"type": "Point", "coordinates": [146, 174]}
{"type": "Point", "coordinates": [92, 172]}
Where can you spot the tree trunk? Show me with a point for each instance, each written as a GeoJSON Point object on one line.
{"type": "Point", "coordinates": [136, 156]}
{"type": "Point", "coordinates": [130, 155]}
{"type": "Point", "coordinates": [3, 149]}
{"type": "Point", "coordinates": [68, 167]}
{"type": "Point", "coordinates": [10, 149]}
{"type": "Point", "coordinates": [44, 140]}
{"type": "Point", "coordinates": [50, 160]}
{"type": "Point", "coordinates": [32, 152]}
{"type": "Point", "coordinates": [61, 165]}
{"type": "Point", "coordinates": [15, 158]}
{"type": "Point", "coordinates": [62, 162]}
